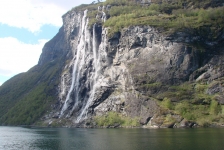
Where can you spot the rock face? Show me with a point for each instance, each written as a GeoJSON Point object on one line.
{"type": "Point", "coordinates": [123, 72]}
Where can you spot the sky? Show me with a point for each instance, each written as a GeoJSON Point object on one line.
{"type": "Point", "coordinates": [25, 26]}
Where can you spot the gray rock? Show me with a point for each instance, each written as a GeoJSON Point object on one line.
{"type": "Point", "coordinates": [124, 72]}
{"type": "Point", "coordinates": [186, 124]}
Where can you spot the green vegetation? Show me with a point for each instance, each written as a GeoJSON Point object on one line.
{"type": "Point", "coordinates": [27, 96]}
{"type": "Point", "coordinates": [113, 119]}
{"type": "Point", "coordinates": [169, 120]}
{"type": "Point", "coordinates": [215, 109]}
{"type": "Point", "coordinates": [154, 15]}
{"type": "Point", "coordinates": [195, 93]}
{"type": "Point", "coordinates": [172, 16]}
{"type": "Point", "coordinates": [204, 115]}
{"type": "Point", "coordinates": [150, 86]}
{"type": "Point", "coordinates": [191, 101]}
{"type": "Point", "coordinates": [167, 104]}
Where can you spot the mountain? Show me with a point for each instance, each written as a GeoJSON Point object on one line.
{"type": "Point", "coordinates": [126, 63]}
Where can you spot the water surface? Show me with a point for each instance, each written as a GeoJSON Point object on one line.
{"type": "Point", "coordinates": [13, 138]}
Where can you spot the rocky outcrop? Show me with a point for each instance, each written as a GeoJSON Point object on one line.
{"type": "Point", "coordinates": [54, 49]}
{"type": "Point", "coordinates": [124, 72]}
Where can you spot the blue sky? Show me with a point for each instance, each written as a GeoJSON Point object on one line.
{"type": "Point", "coordinates": [25, 26]}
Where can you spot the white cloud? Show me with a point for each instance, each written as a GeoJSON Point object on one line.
{"type": "Point", "coordinates": [17, 56]}
{"type": "Point", "coordinates": [32, 14]}
{"type": "Point", "coordinates": [65, 4]}
{"type": "Point", "coordinates": [24, 14]}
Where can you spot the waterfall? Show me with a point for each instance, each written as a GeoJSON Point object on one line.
{"type": "Point", "coordinates": [104, 16]}
{"type": "Point", "coordinates": [87, 51]}
{"type": "Point", "coordinates": [62, 87]}
{"type": "Point", "coordinates": [79, 61]}
{"type": "Point", "coordinates": [86, 46]}
{"type": "Point", "coordinates": [96, 65]}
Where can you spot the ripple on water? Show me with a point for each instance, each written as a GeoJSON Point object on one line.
{"type": "Point", "coordinates": [17, 138]}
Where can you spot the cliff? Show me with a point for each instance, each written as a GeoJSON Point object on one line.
{"type": "Point", "coordinates": [138, 75]}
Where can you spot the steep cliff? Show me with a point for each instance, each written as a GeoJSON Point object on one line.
{"type": "Point", "coordinates": [138, 75]}
{"type": "Point", "coordinates": [131, 71]}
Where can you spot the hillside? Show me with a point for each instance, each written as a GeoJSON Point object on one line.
{"type": "Point", "coordinates": [148, 63]}
{"type": "Point", "coordinates": [28, 96]}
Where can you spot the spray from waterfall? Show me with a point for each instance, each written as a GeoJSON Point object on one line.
{"type": "Point", "coordinates": [79, 61]}
{"type": "Point", "coordinates": [96, 65]}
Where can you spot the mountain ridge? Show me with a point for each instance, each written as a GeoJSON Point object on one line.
{"type": "Point", "coordinates": [122, 74]}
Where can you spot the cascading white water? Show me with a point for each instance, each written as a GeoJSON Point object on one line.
{"type": "Point", "coordinates": [62, 87]}
{"type": "Point", "coordinates": [96, 65]}
{"type": "Point", "coordinates": [79, 61]}
{"type": "Point", "coordinates": [87, 52]}
{"type": "Point", "coordinates": [104, 16]}
{"type": "Point", "coordinates": [82, 62]}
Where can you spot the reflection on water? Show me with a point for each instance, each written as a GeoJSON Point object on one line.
{"type": "Point", "coordinates": [13, 138]}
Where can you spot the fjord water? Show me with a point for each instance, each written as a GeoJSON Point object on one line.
{"type": "Point", "coordinates": [13, 138]}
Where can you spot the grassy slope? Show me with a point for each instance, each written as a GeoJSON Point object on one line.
{"type": "Point", "coordinates": [172, 16]}
{"type": "Point", "coordinates": [25, 97]}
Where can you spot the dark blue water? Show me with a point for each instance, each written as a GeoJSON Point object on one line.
{"type": "Point", "coordinates": [18, 138]}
